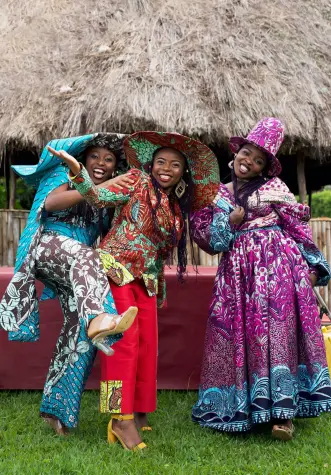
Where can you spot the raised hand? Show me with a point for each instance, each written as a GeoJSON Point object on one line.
{"type": "Point", "coordinates": [68, 159]}
{"type": "Point", "coordinates": [120, 182]}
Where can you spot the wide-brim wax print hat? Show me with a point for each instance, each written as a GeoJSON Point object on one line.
{"type": "Point", "coordinates": [75, 146]}
{"type": "Point", "coordinates": [140, 147]}
{"type": "Point", "coordinates": [50, 173]}
{"type": "Point", "coordinates": [267, 135]}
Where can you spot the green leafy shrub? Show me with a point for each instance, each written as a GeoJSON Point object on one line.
{"type": "Point", "coordinates": [24, 194]}
{"type": "Point", "coordinates": [321, 204]}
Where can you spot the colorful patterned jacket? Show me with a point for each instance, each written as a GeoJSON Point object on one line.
{"type": "Point", "coordinates": [274, 207]}
{"type": "Point", "coordinates": [136, 247]}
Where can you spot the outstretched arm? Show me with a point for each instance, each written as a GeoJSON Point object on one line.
{"type": "Point", "coordinates": [64, 198]}
{"type": "Point", "coordinates": [110, 193]}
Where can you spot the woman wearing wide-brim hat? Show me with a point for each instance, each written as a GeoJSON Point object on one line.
{"type": "Point", "coordinates": [174, 174]}
{"type": "Point", "coordinates": [264, 357]}
{"type": "Point", "coordinates": [55, 248]}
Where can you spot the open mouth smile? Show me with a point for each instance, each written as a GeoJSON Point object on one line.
{"type": "Point", "coordinates": [243, 168]}
{"type": "Point", "coordinates": [164, 178]}
{"type": "Point", "coordinates": [98, 173]}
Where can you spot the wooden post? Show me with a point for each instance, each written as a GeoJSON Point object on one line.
{"type": "Point", "coordinates": [302, 179]}
{"type": "Point", "coordinates": [12, 188]}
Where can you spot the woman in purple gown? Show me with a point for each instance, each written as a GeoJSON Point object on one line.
{"type": "Point", "coordinates": [264, 357]}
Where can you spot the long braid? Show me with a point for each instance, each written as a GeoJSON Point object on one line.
{"type": "Point", "coordinates": [185, 207]}
{"type": "Point", "coordinates": [182, 253]}
{"type": "Point", "coordinates": [153, 209]}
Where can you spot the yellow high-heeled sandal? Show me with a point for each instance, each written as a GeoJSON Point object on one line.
{"type": "Point", "coordinates": [113, 437]}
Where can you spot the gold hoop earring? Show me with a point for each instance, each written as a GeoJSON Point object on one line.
{"type": "Point", "coordinates": [180, 188]}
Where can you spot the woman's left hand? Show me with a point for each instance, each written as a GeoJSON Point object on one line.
{"type": "Point", "coordinates": [313, 279]}
{"type": "Point", "coordinates": [237, 215]}
{"type": "Point", "coordinates": [68, 159]}
{"type": "Point", "coordinates": [120, 182]}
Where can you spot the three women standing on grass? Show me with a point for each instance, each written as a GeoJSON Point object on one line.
{"type": "Point", "coordinates": [264, 353]}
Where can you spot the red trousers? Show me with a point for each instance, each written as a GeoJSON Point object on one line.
{"type": "Point", "coordinates": [128, 378]}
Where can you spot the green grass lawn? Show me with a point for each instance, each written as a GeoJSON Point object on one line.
{"type": "Point", "coordinates": [176, 445]}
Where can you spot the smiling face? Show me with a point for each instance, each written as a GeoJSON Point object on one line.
{"type": "Point", "coordinates": [249, 162]}
{"type": "Point", "coordinates": [168, 168]}
{"type": "Point", "coordinates": [100, 164]}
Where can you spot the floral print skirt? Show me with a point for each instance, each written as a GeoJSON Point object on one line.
{"type": "Point", "coordinates": [264, 355]}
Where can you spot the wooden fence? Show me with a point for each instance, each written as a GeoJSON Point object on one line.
{"type": "Point", "coordinates": [321, 228]}
{"type": "Point", "coordinates": [12, 223]}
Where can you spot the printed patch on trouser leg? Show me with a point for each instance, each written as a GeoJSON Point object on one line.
{"type": "Point", "coordinates": [111, 396]}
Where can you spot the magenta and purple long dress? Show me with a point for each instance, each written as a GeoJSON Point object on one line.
{"type": "Point", "coordinates": [264, 353]}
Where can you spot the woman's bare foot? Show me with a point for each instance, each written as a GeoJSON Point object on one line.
{"type": "Point", "coordinates": [107, 324]}
{"type": "Point", "coordinates": [56, 425]}
{"type": "Point", "coordinates": [127, 431]}
{"type": "Point", "coordinates": [101, 324]}
{"type": "Point", "coordinates": [141, 419]}
{"type": "Point", "coordinates": [282, 429]}
{"type": "Point", "coordinates": [283, 422]}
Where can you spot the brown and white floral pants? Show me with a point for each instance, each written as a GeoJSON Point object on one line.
{"type": "Point", "coordinates": [75, 272]}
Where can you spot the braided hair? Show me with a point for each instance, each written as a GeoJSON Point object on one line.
{"type": "Point", "coordinates": [184, 205]}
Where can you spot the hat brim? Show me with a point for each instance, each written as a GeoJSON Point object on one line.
{"type": "Point", "coordinates": [32, 174]}
{"type": "Point", "coordinates": [236, 143]}
{"type": "Point", "coordinates": [76, 146]}
{"type": "Point", "coordinates": [140, 147]}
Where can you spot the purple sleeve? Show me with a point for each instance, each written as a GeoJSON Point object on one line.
{"type": "Point", "coordinates": [200, 228]}
{"type": "Point", "coordinates": [294, 221]}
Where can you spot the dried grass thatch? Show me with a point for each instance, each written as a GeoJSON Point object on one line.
{"type": "Point", "coordinates": [208, 68]}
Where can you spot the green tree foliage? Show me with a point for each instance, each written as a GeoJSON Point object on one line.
{"type": "Point", "coordinates": [24, 194]}
{"type": "Point", "coordinates": [321, 204]}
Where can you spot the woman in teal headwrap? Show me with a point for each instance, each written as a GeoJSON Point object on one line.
{"type": "Point", "coordinates": [54, 248]}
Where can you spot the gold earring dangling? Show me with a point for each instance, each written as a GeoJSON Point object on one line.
{"type": "Point", "coordinates": [180, 188]}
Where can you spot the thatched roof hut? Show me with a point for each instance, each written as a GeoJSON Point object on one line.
{"type": "Point", "coordinates": [208, 68]}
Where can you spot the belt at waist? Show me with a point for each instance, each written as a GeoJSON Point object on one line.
{"type": "Point", "coordinates": [265, 228]}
